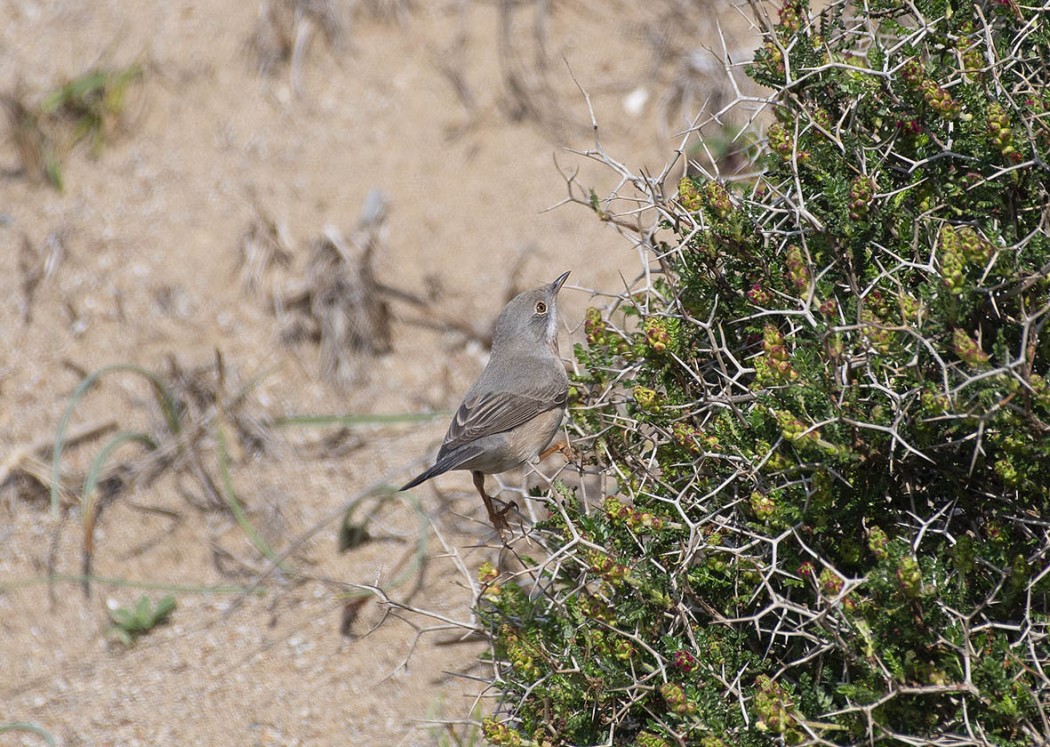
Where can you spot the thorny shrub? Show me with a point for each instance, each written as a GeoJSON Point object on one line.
{"type": "Point", "coordinates": [826, 417]}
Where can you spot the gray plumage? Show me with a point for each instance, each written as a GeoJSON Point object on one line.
{"type": "Point", "coordinates": [514, 409]}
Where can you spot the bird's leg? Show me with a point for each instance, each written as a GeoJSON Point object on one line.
{"type": "Point", "coordinates": [498, 517]}
{"type": "Point", "coordinates": [563, 446]}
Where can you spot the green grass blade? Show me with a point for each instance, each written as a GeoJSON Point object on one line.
{"type": "Point", "coordinates": [31, 728]}
{"type": "Point", "coordinates": [118, 440]}
{"type": "Point", "coordinates": [73, 91]}
{"type": "Point", "coordinates": [350, 421]}
{"type": "Point", "coordinates": [123, 583]}
{"type": "Point", "coordinates": [165, 607]}
{"type": "Point", "coordinates": [53, 168]}
{"type": "Point", "coordinates": [87, 496]}
{"type": "Point", "coordinates": [164, 398]}
{"type": "Point", "coordinates": [239, 514]}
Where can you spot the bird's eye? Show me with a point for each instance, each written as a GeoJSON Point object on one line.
{"type": "Point", "coordinates": [541, 307]}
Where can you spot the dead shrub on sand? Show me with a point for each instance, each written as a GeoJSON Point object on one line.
{"type": "Point", "coordinates": [335, 301]}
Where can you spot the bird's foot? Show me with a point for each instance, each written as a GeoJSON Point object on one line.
{"type": "Point", "coordinates": [498, 516]}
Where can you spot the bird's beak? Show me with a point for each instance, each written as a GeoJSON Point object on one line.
{"type": "Point", "coordinates": [557, 284]}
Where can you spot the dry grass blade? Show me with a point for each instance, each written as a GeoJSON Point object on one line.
{"type": "Point", "coordinates": [207, 398]}
{"type": "Point", "coordinates": [265, 247]}
{"type": "Point", "coordinates": [524, 61]}
{"type": "Point", "coordinates": [399, 11]}
{"type": "Point", "coordinates": [34, 139]}
{"type": "Point", "coordinates": [36, 265]}
{"type": "Point", "coordinates": [286, 28]}
{"type": "Point", "coordinates": [452, 63]}
{"type": "Point", "coordinates": [25, 464]}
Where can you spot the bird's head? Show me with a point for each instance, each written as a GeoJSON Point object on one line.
{"type": "Point", "coordinates": [531, 318]}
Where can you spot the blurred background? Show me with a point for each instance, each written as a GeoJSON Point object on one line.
{"type": "Point", "coordinates": [289, 225]}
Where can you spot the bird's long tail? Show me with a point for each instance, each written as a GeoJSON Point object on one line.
{"type": "Point", "coordinates": [445, 463]}
{"type": "Point", "coordinates": [432, 472]}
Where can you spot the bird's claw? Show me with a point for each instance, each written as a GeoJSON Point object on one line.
{"type": "Point", "coordinates": [498, 516]}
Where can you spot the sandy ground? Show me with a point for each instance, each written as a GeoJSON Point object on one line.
{"type": "Point", "coordinates": [140, 255]}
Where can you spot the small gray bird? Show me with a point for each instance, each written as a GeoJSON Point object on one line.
{"type": "Point", "coordinates": [513, 410]}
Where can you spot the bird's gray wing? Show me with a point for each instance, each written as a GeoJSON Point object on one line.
{"type": "Point", "coordinates": [497, 412]}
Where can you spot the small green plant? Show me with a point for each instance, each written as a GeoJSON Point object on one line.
{"type": "Point", "coordinates": [90, 107]}
{"type": "Point", "coordinates": [131, 622]}
{"type": "Point", "coordinates": [94, 103]}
